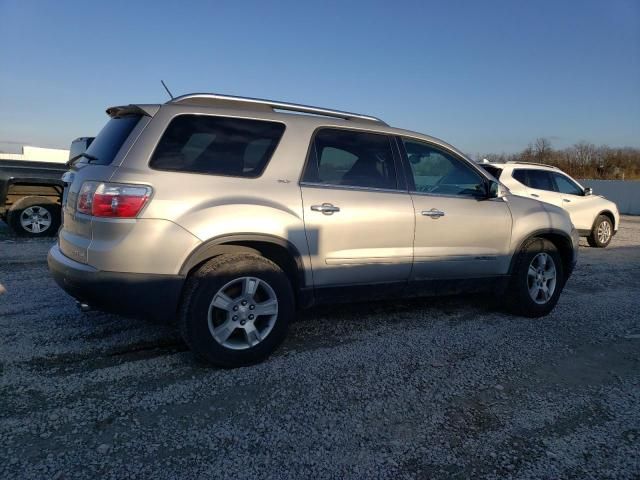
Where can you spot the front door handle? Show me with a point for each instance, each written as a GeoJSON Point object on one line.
{"type": "Point", "coordinates": [535, 195]}
{"type": "Point", "coordinates": [326, 208]}
{"type": "Point", "coordinates": [566, 200]}
{"type": "Point", "coordinates": [433, 213]}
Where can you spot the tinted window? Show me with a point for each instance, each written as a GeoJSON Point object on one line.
{"type": "Point", "coordinates": [495, 171]}
{"type": "Point", "coordinates": [566, 185]}
{"type": "Point", "coordinates": [358, 159]}
{"type": "Point", "coordinates": [521, 176]}
{"type": "Point", "coordinates": [437, 171]}
{"type": "Point", "coordinates": [106, 145]}
{"type": "Point", "coordinates": [217, 145]}
{"type": "Point", "coordinates": [540, 180]}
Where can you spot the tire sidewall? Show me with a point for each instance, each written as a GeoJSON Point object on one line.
{"type": "Point", "coordinates": [599, 221]}
{"type": "Point", "coordinates": [521, 300]}
{"type": "Point", "coordinates": [206, 283]}
{"type": "Point", "coordinates": [16, 210]}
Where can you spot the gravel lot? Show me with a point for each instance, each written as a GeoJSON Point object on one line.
{"type": "Point", "coordinates": [432, 388]}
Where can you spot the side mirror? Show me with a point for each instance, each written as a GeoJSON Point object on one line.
{"type": "Point", "coordinates": [493, 189]}
{"type": "Point", "coordinates": [588, 191]}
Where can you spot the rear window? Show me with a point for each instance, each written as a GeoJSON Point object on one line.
{"type": "Point", "coordinates": [217, 145]}
{"type": "Point", "coordinates": [106, 145]}
{"type": "Point", "coordinates": [495, 171]}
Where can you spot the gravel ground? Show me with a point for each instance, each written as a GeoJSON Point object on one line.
{"type": "Point", "coordinates": [432, 388]}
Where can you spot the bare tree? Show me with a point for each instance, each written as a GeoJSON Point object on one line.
{"type": "Point", "coordinates": [542, 149]}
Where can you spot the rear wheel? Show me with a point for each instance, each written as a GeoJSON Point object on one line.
{"type": "Point", "coordinates": [236, 310]}
{"type": "Point", "coordinates": [34, 217]}
{"type": "Point", "coordinates": [537, 279]}
{"type": "Point", "coordinates": [601, 233]}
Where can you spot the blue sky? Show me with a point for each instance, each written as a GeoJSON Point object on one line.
{"type": "Point", "coordinates": [486, 76]}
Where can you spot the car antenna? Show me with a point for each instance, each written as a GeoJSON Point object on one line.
{"type": "Point", "coordinates": [166, 88]}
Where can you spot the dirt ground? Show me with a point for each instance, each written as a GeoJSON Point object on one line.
{"type": "Point", "coordinates": [430, 388]}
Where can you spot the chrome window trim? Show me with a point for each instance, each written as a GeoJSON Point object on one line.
{"type": "Point", "coordinates": [351, 187]}
{"type": "Point", "coordinates": [446, 195]}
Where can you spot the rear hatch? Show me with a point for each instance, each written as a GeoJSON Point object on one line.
{"type": "Point", "coordinates": [97, 164]}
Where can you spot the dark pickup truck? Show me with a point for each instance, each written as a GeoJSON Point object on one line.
{"type": "Point", "coordinates": [31, 196]}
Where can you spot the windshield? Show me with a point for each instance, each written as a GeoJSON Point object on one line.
{"type": "Point", "coordinates": [108, 142]}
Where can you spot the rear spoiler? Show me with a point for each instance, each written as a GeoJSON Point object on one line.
{"type": "Point", "coordinates": [127, 110]}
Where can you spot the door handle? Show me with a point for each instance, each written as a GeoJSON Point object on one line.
{"type": "Point", "coordinates": [566, 200]}
{"type": "Point", "coordinates": [535, 195]}
{"type": "Point", "coordinates": [326, 208]}
{"type": "Point", "coordinates": [433, 213]}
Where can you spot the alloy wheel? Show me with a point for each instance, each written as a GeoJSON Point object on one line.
{"type": "Point", "coordinates": [604, 232]}
{"type": "Point", "coordinates": [35, 219]}
{"type": "Point", "coordinates": [541, 278]}
{"type": "Point", "coordinates": [242, 313]}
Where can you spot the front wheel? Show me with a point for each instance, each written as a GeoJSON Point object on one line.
{"type": "Point", "coordinates": [601, 233]}
{"type": "Point", "coordinates": [537, 279]}
{"type": "Point", "coordinates": [236, 310]}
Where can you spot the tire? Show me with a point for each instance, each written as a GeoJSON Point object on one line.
{"type": "Point", "coordinates": [34, 217]}
{"type": "Point", "coordinates": [519, 294]}
{"type": "Point", "coordinates": [237, 344]}
{"type": "Point", "coordinates": [601, 233]}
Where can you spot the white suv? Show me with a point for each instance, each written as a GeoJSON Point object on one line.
{"type": "Point", "coordinates": [594, 216]}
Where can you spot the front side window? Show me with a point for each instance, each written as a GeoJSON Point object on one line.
{"type": "Point", "coordinates": [351, 158]}
{"type": "Point", "coordinates": [217, 145]}
{"type": "Point", "coordinates": [439, 172]}
{"type": "Point", "coordinates": [566, 185]}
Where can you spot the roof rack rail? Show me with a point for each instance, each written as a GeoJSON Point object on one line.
{"type": "Point", "coordinates": [214, 98]}
{"type": "Point", "coordinates": [533, 163]}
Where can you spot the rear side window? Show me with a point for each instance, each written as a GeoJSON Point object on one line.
{"type": "Point", "coordinates": [538, 179]}
{"type": "Point", "coordinates": [106, 145]}
{"type": "Point", "coordinates": [217, 145]}
{"type": "Point", "coordinates": [350, 158]}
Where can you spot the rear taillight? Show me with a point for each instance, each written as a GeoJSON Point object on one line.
{"type": "Point", "coordinates": [112, 199]}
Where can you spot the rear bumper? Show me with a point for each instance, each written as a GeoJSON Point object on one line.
{"type": "Point", "coordinates": [130, 294]}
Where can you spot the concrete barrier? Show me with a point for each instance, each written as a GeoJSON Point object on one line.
{"type": "Point", "coordinates": [625, 193]}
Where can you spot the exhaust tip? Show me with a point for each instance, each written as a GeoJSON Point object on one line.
{"type": "Point", "coordinates": [83, 307]}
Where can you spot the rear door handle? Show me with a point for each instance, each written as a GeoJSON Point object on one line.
{"type": "Point", "coordinates": [433, 213]}
{"type": "Point", "coordinates": [535, 195]}
{"type": "Point", "coordinates": [326, 208]}
{"type": "Point", "coordinates": [566, 200]}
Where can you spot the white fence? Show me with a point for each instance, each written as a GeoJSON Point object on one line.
{"type": "Point", "coordinates": [625, 193]}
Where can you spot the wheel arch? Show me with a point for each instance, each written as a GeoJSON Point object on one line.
{"type": "Point", "coordinates": [609, 215]}
{"type": "Point", "coordinates": [562, 242]}
{"type": "Point", "coordinates": [279, 250]}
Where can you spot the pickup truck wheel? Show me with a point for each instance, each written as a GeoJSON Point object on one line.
{"type": "Point", "coordinates": [537, 279]}
{"type": "Point", "coordinates": [601, 233]}
{"type": "Point", "coordinates": [34, 217]}
{"type": "Point", "coordinates": [236, 310]}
